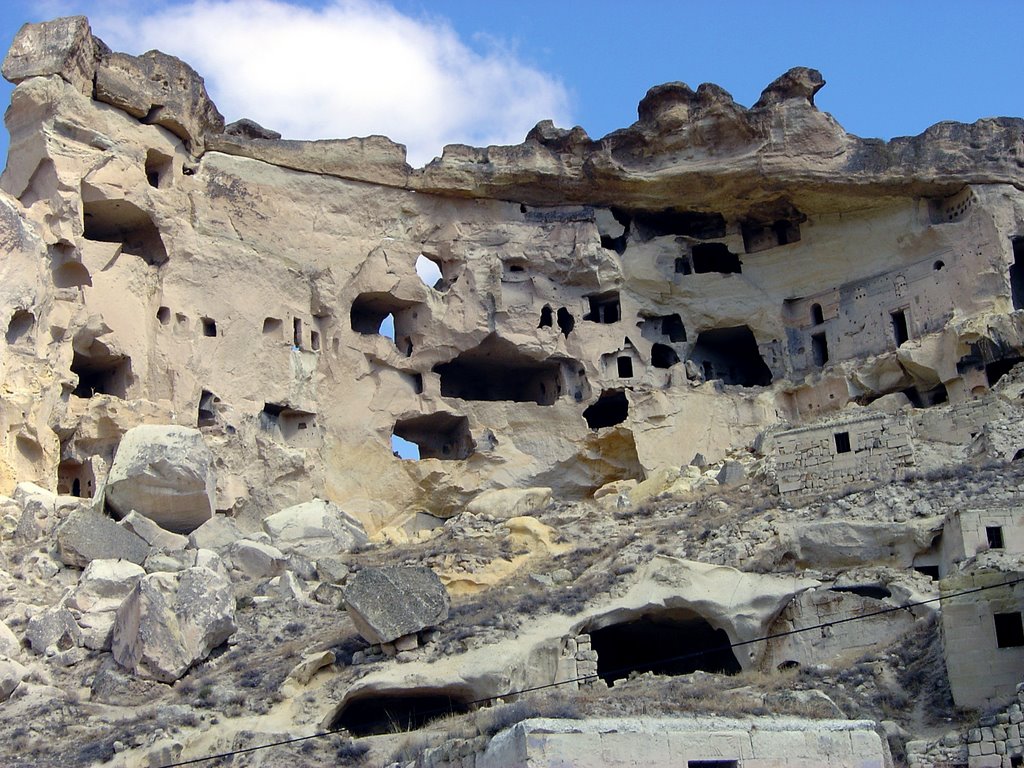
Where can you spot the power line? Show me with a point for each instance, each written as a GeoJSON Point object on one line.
{"type": "Point", "coordinates": [624, 670]}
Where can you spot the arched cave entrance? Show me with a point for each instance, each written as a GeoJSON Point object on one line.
{"type": "Point", "coordinates": [731, 354]}
{"type": "Point", "coordinates": [672, 642]}
{"type": "Point", "coordinates": [397, 711]}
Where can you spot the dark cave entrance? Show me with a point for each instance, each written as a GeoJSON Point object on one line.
{"type": "Point", "coordinates": [1017, 274]}
{"type": "Point", "coordinates": [731, 354]}
{"type": "Point", "coordinates": [437, 435]}
{"type": "Point", "coordinates": [611, 408]}
{"type": "Point", "coordinates": [714, 257]}
{"type": "Point", "coordinates": [118, 221]}
{"type": "Point", "coordinates": [665, 643]}
{"type": "Point", "coordinates": [385, 713]}
{"type": "Point", "coordinates": [497, 370]}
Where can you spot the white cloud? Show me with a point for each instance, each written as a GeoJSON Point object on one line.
{"type": "Point", "coordinates": [349, 68]}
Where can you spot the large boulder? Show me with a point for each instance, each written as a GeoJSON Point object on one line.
{"type": "Point", "coordinates": [164, 473]}
{"type": "Point", "coordinates": [102, 588]}
{"type": "Point", "coordinates": [11, 674]}
{"type": "Point", "coordinates": [87, 535]}
{"type": "Point", "coordinates": [152, 533]}
{"type": "Point", "coordinates": [53, 630]}
{"type": "Point", "coordinates": [314, 529]}
{"type": "Point", "coordinates": [172, 620]}
{"type": "Point", "coordinates": [387, 603]}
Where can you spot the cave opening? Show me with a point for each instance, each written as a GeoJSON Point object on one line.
{"type": "Point", "coordinates": [663, 356]}
{"type": "Point", "coordinates": [384, 713]}
{"type": "Point", "coordinates": [566, 322]}
{"type": "Point", "coordinates": [873, 591]}
{"type": "Point", "coordinates": [20, 326]}
{"type": "Point", "coordinates": [731, 354]}
{"type": "Point", "coordinates": [101, 373]}
{"type": "Point", "coordinates": [611, 408]}
{"type": "Point", "coordinates": [207, 415]}
{"type": "Point", "coordinates": [672, 642]}
{"type": "Point", "coordinates": [497, 370]}
{"type": "Point", "coordinates": [760, 236]}
{"type": "Point", "coordinates": [546, 317]}
{"type": "Point", "coordinates": [437, 435]}
{"type": "Point", "coordinates": [370, 310]}
{"type": "Point", "coordinates": [158, 168]}
{"type": "Point", "coordinates": [604, 308]}
{"type": "Point", "coordinates": [119, 221]}
{"type": "Point", "coordinates": [714, 257]}
{"type": "Point", "coordinates": [819, 349]}
{"type": "Point", "coordinates": [995, 370]}
{"type": "Point", "coordinates": [670, 221]}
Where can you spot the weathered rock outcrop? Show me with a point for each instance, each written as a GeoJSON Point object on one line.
{"type": "Point", "coordinates": [314, 529]}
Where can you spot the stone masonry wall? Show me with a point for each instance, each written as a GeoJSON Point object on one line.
{"type": "Point", "coordinates": [828, 456]}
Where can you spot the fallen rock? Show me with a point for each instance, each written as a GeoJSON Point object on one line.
{"type": "Point", "coordinates": [216, 533]}
{"type": "Point", "coordinates": [152, 533]}
{"type": "Point", "coordinates": [11, 675]}
{"type": "Point", "coordinates": [112, 685]}
{"type": "Point", "coordinates": [172, 620]}
{"type": "Point", "coordinates": [87, 535]}
{"type": "Point", "coordinates": [386, 603]}
{"type": "Point", "coordinates": [332, 570]}
{"type": "Point", "coordinates": [41, 511]}
{"type": "Point", "coordinates": [509, 502]}
{"type": "Point", "coordinates": [101, 589]}
{"type": "Point", "coordinates": [311, 663]}
{"type": "Point", "coordinates": [9, 644]}
{"type": "Point", "coordinates": [731, 474]}
{"type": "Point", "coordinates": [314, 529]}
{"type": "Point", "coordinates": [257, 559]}
{"type": "Point", "coordinates": [53, 630]}
{"type": "Point", "coordinates": [104, 584]}
{"type": "Point", "coordinates": [164, 473]}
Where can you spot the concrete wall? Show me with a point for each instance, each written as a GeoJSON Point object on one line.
{"type": "Point", "coordinates": [980, 673]}
{"type": "Point", "coordinates": [752, 743]}
{"type": "Point", "coordinates": [811, 459]}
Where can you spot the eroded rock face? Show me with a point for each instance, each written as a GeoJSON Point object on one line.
{"type": "Point", "coordinates": [164, 473]}
{"type": "Point", "coordinates": [388, 603]}
{"type": "Point", "coordinates": [172, 620]}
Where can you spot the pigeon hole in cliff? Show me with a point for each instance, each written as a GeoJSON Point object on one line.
{"type": "Point", "coordinates": [611, 408]}
{"type": "Point", "coordinates": [714, 257]}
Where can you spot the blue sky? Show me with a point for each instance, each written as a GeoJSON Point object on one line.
{"type": "Point", "coordinates": [428, 73]}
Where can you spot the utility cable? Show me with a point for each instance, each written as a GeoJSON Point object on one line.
{"type": "Point", "coordinates": [624, 670]}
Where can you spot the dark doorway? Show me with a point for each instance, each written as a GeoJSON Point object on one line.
{"type": "Point", "coordinates": [663, 356]}
{"type": "Point", "coordinates": [819, 349]}
{"type": "Point", "coordinates": [669, 643]}
{"type": "Point", "coordinates": [546, 319]}
{"type": "Point", "coordinates": [438, 435]}
{"type": "Point", "coordinates": [899, 326]}
{"type": "Point", "coordinates": [497, 370]}
{"type": "Point", "coordinates": [604, 308]}
{"type": "Point", "coordinates": [566, 322]}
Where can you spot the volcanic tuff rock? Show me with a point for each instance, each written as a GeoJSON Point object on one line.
{"type": "Point", "coordinates": [657, 382]}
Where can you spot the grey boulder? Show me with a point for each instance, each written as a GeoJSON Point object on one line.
{"type": "Point", "coordinates": [387, 603]}
{"type": "Point", "coordinates": [87, 535]}
{"type": "Point", "coordinates": [314, 529]}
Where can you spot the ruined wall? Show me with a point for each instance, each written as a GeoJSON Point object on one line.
{"type": "Point", "coordinates": [865, 448]}
{"type": "Point", "coordinates": [983, 637]}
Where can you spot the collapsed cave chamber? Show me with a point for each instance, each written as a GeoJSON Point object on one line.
{"type": "Point", "coordinates": [671, 641]}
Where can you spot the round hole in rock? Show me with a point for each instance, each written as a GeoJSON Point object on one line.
{"type": "Point", "coordinates": [382, 713]}
{"type": "Point", "coordinates": [665, 643]}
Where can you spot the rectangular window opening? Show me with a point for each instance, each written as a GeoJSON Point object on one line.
{"type": "Point", "coordinates": [625, 367]}
{"type": "Point", "coordinates": [297, 332]}
{"type": "Point", "coordinates": [842, 442]}
{"type": "Point", "coordinates": [1009, 630]}
{"type": "Point", "coordinates": [314, 341]}
{"type": "Point", "coordinates": [209, 327]}
{"type": "Point", "coordinates": [1017, 274]}
{"type": "Point", "coordinates": [712, 764]}
{"type": "Point", "coordinates": [683, 266]}
{"type": "Point", "coordinates": [994, 534]}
